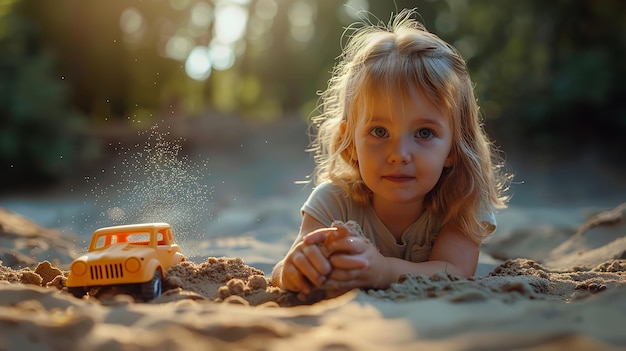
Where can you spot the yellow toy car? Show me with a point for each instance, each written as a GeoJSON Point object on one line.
{"type": "Point", "coordinates": [135, 254]}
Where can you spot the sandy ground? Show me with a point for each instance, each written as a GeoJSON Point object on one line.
{"type": "Point", "coordinates": [553, 290]}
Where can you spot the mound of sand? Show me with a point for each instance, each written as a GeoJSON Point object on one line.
{"type": "Point", "coordinates": [24, 243]}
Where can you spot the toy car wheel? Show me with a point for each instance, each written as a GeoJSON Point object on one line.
{"type": "Point", "coordinates": [77, 291]}
{"type": "Point", "coordinates": [153, 288]}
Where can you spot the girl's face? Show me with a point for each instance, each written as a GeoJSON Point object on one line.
{"type": "Point", "coordinates": [402, 145]}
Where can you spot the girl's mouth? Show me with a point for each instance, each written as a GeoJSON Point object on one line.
{"type": "Point", "coordinates": [398, 178]}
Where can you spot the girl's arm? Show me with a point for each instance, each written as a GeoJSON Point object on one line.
{"type": "Point", "coordinates": [358, 264]}
{"type": "Point", "coordinates": [457, 249]}
{"type": "Point", "coordinates": [453, 252]}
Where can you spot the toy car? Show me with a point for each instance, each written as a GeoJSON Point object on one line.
{"type": "Point", "coordinates": [135, 254]}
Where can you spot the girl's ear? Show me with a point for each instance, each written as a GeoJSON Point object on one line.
{"type": "Point", "coordinates": [449, 162]}
{"type": "Point", "coordinates": [352, 152]}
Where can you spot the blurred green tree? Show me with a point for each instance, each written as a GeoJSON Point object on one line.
{"type": "Point", "coordinates": [548, 74]}
{"type": "Point", "coordinates": [40, 132]}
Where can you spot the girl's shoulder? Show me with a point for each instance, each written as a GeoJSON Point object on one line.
{"type": "Point", "coordinates": [330, 187]}
{"type": "Point", "coordinates": [328, 202]}
{"type": "Point", "coordinates": [331, 192]}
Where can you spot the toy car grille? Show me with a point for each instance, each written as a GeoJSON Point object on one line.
{"type": "Point", "coordinates": [106, 271]}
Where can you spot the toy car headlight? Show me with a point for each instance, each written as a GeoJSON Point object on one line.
{"type": "Point", "coordinates": [132, 264]}
{"type": "Point", "coordinates": [79, 268]}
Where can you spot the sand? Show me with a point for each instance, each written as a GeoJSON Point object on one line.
{"type": "Point", "coordinates": [549, 289]}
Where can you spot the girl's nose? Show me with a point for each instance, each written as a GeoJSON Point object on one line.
{"type": "Point", "coordinates": [400, 151]}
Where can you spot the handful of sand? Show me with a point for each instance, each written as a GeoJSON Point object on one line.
{"type": "Point", "coordinates": [352, 229]}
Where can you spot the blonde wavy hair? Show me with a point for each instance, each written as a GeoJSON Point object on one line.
{"type": "Point", "coordinates": [399, 58]}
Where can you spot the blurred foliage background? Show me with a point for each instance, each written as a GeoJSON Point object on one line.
{"type": "Point", "coordinates": [549, 74]}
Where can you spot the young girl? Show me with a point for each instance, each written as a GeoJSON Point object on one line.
{"type": "Point", "coordinates": [400, 150]}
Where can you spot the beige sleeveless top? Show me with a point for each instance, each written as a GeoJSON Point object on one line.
{"type": "Point", "coordinates": [328, 202]}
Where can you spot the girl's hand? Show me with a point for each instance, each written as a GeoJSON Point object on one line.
{"type": "Point", "coordinates": [306, 266]}
{"type": "Point", "coordinates": [356, 262]}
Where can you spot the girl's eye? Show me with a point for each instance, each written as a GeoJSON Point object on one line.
{"type": "Point", "coordinates": [379, 132]}
{"type": "Point", "coordinates": [424, 133]}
